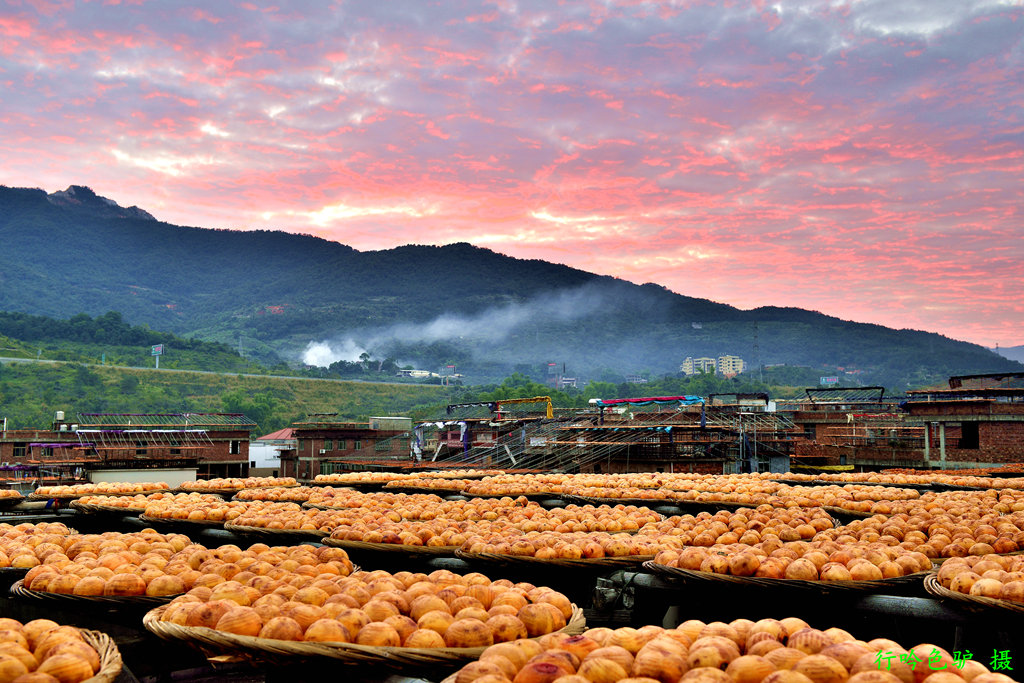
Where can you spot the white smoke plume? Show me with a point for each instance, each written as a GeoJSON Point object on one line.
{"type": "Point", "coordinates": [492, 324]}
{"type": "Point", "coordinates": [324, 353]}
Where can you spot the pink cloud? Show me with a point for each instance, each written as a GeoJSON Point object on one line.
{"type": "Point", "coordinates": [734, 153]}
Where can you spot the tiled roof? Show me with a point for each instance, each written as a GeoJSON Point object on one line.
{"type": "Point", "coordinates": [279, 435]}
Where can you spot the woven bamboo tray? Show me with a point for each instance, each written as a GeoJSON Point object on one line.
{"type": "Point", "coordinates": [69, 498]}
{"type": "Point", "coordinates": [18, 590]}
{"type": "Point", "coordinates": [110, 657]}
{"type": "Point", "coordinates": [438, 491]}
{"type": "Point", "coordinates": [227, 493]}
{"type": "Point", "coordinates": [717, 504]}
{"type": "Point", "coordinates": [901, 582]}
{"type": "Point", "coordinates": [322, 506]}
{"type": "Point", "coordinates": [93, 508]}
{"type": "Point", "coordinates": [638, 502]}
{"type": "Point", "coordinates": [9, 501]}
{"type": "Point", "coordinates": [433, 550]}
{"type": "Point", "coordinates": [975, 603]}
{"type": "Point", "coordinates": [937, 561]}
{"type": "Point", "coordinates": [543, 495]}
{"type": "Point", "coordinates": [529, 561]}
{"type": "Point", "coordinates": [212, 642]}
{"type": "Point", "coordinates": [839, 513]}
{"type": "Point", "coordinates": [357, 485]}
{"type": "Point", "coordinates": [204, 523]}
{"type": "Point", "coordinates": [280, 534]}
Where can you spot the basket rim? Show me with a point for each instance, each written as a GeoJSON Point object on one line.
{"type": "Point", "coordinates": [448, 550]}
{"type": "Point", "coordinates": [611, 502]}
{"type": "Point", "coordinates": [394, 657]}
{"type": "Point", "coordinates": [766, 582]}
{"type": "Point", "coordinates": [75, 496]}
{"type": "Point", "coordinates": [94, 508]}
{"type": "Point", "coordinates": [231, 491]}
{"type": "Point", "coordinates": [577, 563]}
{"type": "Point", "coordinates": [836, 510]}
{"type": "Point", "coordinates": [110, 657]}
{"type": "Point", "coordinates": [934, 587]}
{"type": "Point", "coordinates": [290, 533]}
{"type": "Point", "coordinates": [18, 589]}
{"type": "Point", "coordinates": [171, 520]}
{"type": "Point", "coordinates": [532, 495]}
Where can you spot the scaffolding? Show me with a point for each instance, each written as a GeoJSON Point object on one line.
{"type": "Point", "coordinates": [660, 431]}
{"type": "Point", "coordinates": [170, 440]}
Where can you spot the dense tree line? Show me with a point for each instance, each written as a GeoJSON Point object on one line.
{"type": "Point", "coordinates": [109, 328]}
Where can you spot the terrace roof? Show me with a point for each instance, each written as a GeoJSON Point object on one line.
{"type": "Point", "coordinates": [156, 420]}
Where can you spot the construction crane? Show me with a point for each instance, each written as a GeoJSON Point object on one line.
{"type": "Point", "coordinates": [496, 406]}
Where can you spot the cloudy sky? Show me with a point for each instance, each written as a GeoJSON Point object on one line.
{"type": "Point", "coordinates": [862, 158]}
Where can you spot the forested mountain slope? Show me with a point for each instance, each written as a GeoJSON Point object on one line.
{"type": "Point", "coordinates": [488, 314]}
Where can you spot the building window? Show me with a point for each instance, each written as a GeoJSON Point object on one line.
{"type": "Point", "coordinates": [357, 444]}
{"type": "Point", "coordinates": [341, 444]}
{"type": "Point", "coordinates": [235, 447]}
{"type": "Point", "coordinates": [969, 435]}
{"type": "Point", "coordinates": [20, 450]}
{"type": "Point", "coordinates": [140, 448]}
{"type": "Point", "coordinates": [252, 463]}
{"type": "Point", "coordinates": [328, 444]}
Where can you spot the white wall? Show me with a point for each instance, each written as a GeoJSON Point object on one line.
{"type": "Point", "coordinates": [264, 454]}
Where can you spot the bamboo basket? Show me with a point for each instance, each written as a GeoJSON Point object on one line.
{"type": "Point", "coordinates": [398, 548]}
{"type": "Point", "coordinates": [611, 502]}
{"type": "Point", "coordinates": [703, 504]}
{"type": "Point", "coordinates": [19, 590]}
{"type": "Point", "coordinates": [402, 659]}
{"type": "Point", "coordinates": [535, 496]}
{"type": "Point", "coordinates": [528, 561]}
{"type": "Point", "coordinates": [11, 501]}
{"type": "Point", "coordinates": [227, 493]}
{"type": "Point", "coordinates": [204, 523]}
{"type": "Point", "coordinates": [93, 509]}
{"type": "Point", "coordinates": [437, 491]}
{"type": "Point", "coordinates": [839, 513]}
{"type": "Point", "coordinates": [110, 657]}
{"type": "Point", "coordinates": [355, 485]}
{"type": "Point", "coordinates": [278, 534]}
{"type": "Point", "coordinates": [76, 496]}
{"type": "Point", "coordinates": [975, 603]}
{"type": "Point", "coordinates": [900, 582]}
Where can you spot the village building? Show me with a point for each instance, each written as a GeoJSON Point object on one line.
{"type": "Point", "coordinates": [325, 444]}
{"type": "Point", "coordinates": [127, 446]}
{"type": "Point", "coordinates": [977, 422]}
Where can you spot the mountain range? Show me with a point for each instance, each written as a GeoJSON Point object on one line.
{"type": "Point", "coordinates": [281, 296]}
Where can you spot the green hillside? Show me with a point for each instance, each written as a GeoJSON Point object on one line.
{"type": "Point", "coordinates": [31, 392]}
{"type": "Point", "coordinates": [428, 307]}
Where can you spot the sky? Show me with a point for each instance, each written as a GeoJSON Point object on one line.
{"type": "Point", "coordinates": [862, 158]}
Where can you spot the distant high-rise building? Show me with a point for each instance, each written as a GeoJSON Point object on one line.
{"type": "Point", "coordinates": [693, 366]}
{"type": "Point", "coordinates": [731, 365]}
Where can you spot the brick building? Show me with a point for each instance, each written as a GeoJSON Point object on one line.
{"type": "Point", "coordinates": [976, 422]}
{"type": "Point", "coordinates": [214, 444]}
{"type": "Point", "coordinates": [324, 445]}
